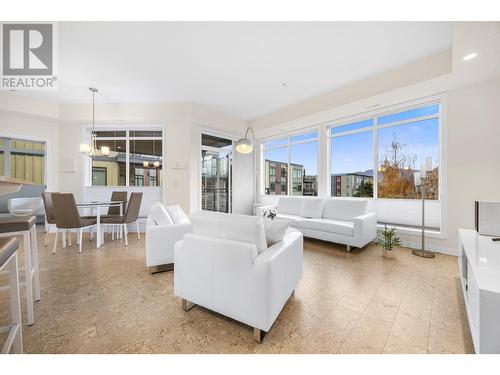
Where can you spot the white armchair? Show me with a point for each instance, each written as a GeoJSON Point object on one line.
{"type": "Point", "coordinates": [165, 226]}
{"type": "Point", "coordinates": [226, 266]}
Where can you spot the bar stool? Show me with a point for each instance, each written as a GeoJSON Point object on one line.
{"type": "Point", "coordinates": [8, 259]}
{"type": "Point", "coordinates": [25, 226]}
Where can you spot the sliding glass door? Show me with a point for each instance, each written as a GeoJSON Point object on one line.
{"type": "Point", "coordinates": [216, 171]}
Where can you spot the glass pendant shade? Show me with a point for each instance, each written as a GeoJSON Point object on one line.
{"type": "Point", "coordinates": [245, 145]}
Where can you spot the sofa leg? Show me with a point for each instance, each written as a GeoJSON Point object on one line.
{"type": "Point", "coordinates": [259, 335]}
{"type": "Point", "coordinates": [186, 305]}
{"type": "Point", "coordinates": [348, 248]}
{"type": "Point", "coordinates": [162, 268]}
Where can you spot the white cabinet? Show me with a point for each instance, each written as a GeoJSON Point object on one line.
{"type": "Point", "coordinates": [479, 264]}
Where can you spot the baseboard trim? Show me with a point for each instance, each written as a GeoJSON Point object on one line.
{"type": "Point", "coordinates": [436, 249]}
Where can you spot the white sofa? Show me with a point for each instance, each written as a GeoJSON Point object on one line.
{"type": "Point", "coordinates": [341, 220]}
{"type": "Point", "coordinates": [226, 266]}
{"type": "Point", "coordinates": [165, 226]}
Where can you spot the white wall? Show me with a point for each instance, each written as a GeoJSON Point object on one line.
{"type": "Point", "coordinates": [243, 183]}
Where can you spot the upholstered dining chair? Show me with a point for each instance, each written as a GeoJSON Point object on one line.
{"type": "Point", "coordinates": [68, 217]}
{"type": "Point", "coordinates": [131, 215]}
{"type": "Point", "coordinates": [50, 216]}
{"type": "Point", "coordinates": [115, 210]}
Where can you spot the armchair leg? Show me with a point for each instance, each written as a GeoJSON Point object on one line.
{"type": "Point", "coordinates": [186, 305]}
{"type": "Point", "coordinates": [348, 248]}
{"type": "Point", "coordinates": [259, 335]}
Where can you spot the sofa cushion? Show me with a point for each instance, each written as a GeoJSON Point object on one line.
{"type": "Point", "coordinates": [275, 230]}
{"type": "Point", "coordinates": [177, 214]}
{"type": "Point", "coordinates": [345, 228]}
{"type": "Point", "coordinates": [289, 205]}
{"type": "Point", "coordinates": [293, 219]}
{"type": "Point", "coordinates": [313, 207]}
{"type": "Point", "coordinates": [160, 214]}
{"type": "Point", "coordinates": [232, 227]}
{"type": "Point", "coordinates": [344, 208]}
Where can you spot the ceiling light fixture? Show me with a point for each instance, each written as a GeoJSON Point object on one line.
{"type": "Point", "coordinates": [245, 145]}
{"type": "Point", "coordinates": [91, 149]}
{"type": "Point", "coordinates": [470, 56]}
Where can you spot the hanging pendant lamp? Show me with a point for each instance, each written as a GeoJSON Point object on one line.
{"type": "Point", "coordinates": [91, 149]}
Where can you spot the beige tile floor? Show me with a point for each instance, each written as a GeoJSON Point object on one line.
{"type": "Point", "coordinates": [106, 301]}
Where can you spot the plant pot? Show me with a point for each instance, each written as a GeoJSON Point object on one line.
{"type": "Point", "coordinates": [389, 254]}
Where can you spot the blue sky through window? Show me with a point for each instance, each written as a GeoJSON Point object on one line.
{"type": "Point", "coordinates": [352, 153]}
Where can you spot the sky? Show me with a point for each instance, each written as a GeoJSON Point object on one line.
{"type": "Point", "coordinates": [354, 152]}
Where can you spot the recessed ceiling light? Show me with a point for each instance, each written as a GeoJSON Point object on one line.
{"type": "Point", "coordinates": [469, 56]}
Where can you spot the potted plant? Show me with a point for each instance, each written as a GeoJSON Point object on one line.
{"type": "Point", "coordinates": [388, 240]}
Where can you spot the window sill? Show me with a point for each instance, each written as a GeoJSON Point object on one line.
{"type": "Point", "coordinates": [403, 229]}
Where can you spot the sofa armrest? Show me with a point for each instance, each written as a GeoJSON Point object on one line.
{"type": "Point", "coordinates": [365, 227]}
{"type": "Point", "coordinates": [160, 240]}
{"type": "Point", "coordinates": [276, 274]}
{"type": "Point", "coordinates": [214, 272]}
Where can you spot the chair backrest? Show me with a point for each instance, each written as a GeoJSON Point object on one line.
{"type": "Point", "coordinates": [118, 196]}
{"type": "Point", "coordinates": [290, 205]}
{"type": "Point", "coordinates": [134, 205]}
{"type": "Point", "coordinates": [49, 208]}
{"type": "Point", "coordinates": [159, 215]}
{"type": "Point", "coordinates": [236, 227]}
{"type": "Point", "coordinates": [344, 208]}
{"type": "Point", "coordinates": [65, 210]}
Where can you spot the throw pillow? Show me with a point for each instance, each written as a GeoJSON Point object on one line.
{"type": "Point", "coordinates": [275, 230]}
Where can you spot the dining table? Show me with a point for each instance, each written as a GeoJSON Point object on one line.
{"type": "Point", "coordinates": [95, 207]}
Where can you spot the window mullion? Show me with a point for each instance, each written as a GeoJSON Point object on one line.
{"type": "Point", "coordinates": [375, 157]}
{"type": "Point", "coordinates": [289, 172]}
{"type": "Point", "coordinates": [127, 159]}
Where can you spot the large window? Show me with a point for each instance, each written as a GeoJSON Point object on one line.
{"type": "Point", "coordinates": [23, 159]}
{"type": "Point", "coordinates": [135, 158]}
{"type": "Point", "coordinates": [291, 165]}
{"type": "Point", "coordinates": [404, 141]}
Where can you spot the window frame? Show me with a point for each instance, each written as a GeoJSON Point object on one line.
{"type": "Point", "coordinates": [288, 145]}
{"type": "Point", "coordinates": [375, 115]}
{"type": "Point", "coordinates": [127, 138]}
{"type": "Point", "coordinates": [7, 151]}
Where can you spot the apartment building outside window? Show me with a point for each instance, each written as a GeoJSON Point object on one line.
{"type": "Point", "coordinates": [290, 164]}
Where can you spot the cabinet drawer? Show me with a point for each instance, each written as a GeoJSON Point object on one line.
{"type": "Point", "coordinates": [473, 299]}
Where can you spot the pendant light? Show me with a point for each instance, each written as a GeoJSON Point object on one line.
{"type": "Point", "coordinates": [91, 149]}
{"type": "Point", "coordinates": [245, 145]}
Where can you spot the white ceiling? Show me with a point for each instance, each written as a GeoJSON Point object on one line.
{"type": "Point", "coordinates": [236, 67]}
